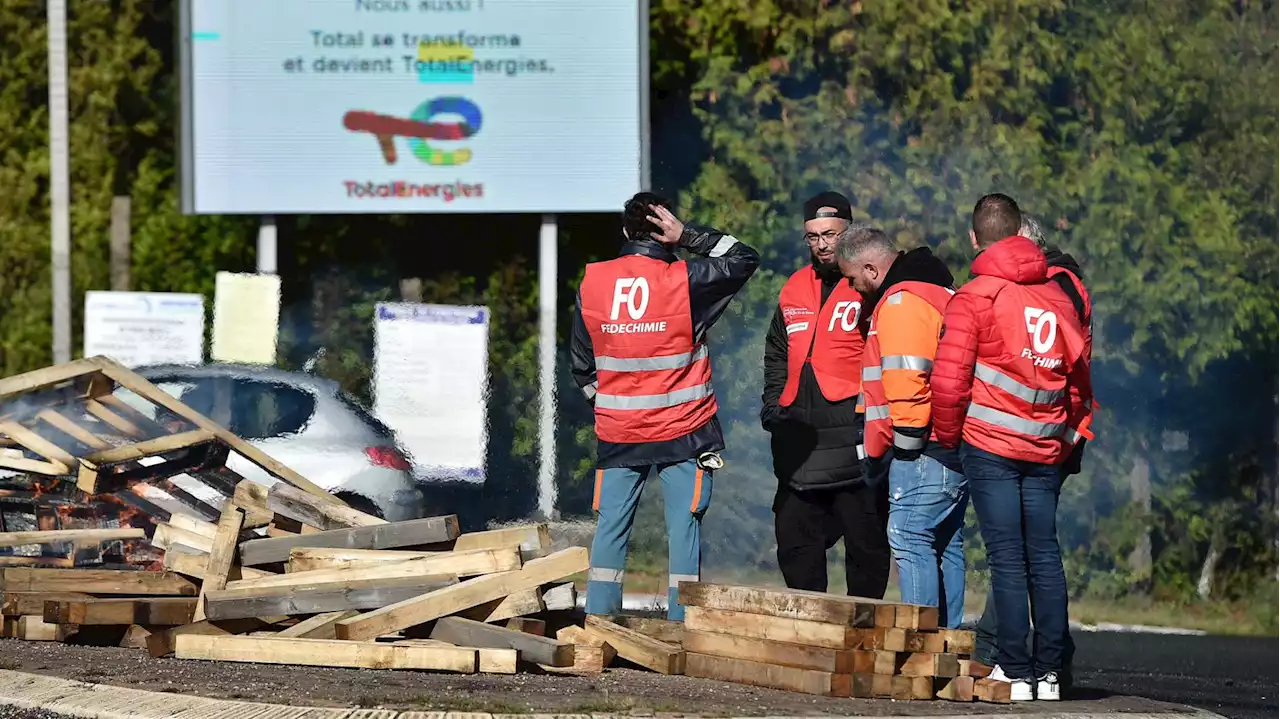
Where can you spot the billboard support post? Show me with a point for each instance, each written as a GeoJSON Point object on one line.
{"type": "Point", "coordinates": [548, 273]}
{"type": "Point", "coordinates": [267, 246]}
{"type": "Point", "coordinates": [59, 182]}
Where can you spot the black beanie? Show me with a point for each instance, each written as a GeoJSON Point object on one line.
{"type": "Point", "coordinates": [828, 199]}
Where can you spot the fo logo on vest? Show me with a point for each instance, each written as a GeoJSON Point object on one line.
{"type": "Point", "coordinates": [848, 319]}
{"type": "Point", "coordinates": [1042, 326]}
{"type": "Point", "coordinates": [632, 291]}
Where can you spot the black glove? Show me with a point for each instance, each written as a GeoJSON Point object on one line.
{"type": "Point", "coordinates": [1072, 464]}
{"type": "Point", "coordinates": [875, 470]}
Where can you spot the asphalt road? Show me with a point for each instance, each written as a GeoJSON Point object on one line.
{"type": "Point", "coordinates": [1236, 677]}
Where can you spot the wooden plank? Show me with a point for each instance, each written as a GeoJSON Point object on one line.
{"type": "Point", "coordinates": [34, 466]}
{"type": "Point", "coordinates": [109, 417]}
{"type": "Point", "coordinates": [465, 563]}
{"type": "Point", "coordinates": [96, 581]}
{"type": "Point", "coordinates": [383, 536]}
{"type": "Point", "coordinates": [783, 603]}
{"type": "Point", "coordinates": [318, 627]}
{"type": "Point", "coordinates": [68, 427]}
{"type": "Point", "coordinates": [141, 387]}
{"type": "Point", "coordinates": [886, 662]}
{"type": "Point", "coordinates": [158, 611]}
{"type": "Point", "coordinates": [194, 565]}
{"type": "Point", "coordinates": [528, 625]}
{"type": "Point", "coordinates": [469, 633]}
{"type": "Point", "coordinates": [591, 653]}
{"type": "Point", "coordinates": [959, 641]}
{"type": "Point", "coordinates": [912, 616]}
{"type": "Point", "coordinates": [836, 661]}
{"type": "Point", "coordinates": [251, 499]}
{"type": "Point", "coordinates": [889, 686]}
{"type": "Point", "coordinates": [490, 661]}
{"type": "Point", "coordinates": [222, 556]}
{"type": "Point", "coordinates": [79, 536]}
{"type": "Point", "coordinates": [767, 675]}
{"type": "Point", "coordinates": [135, 637]}
{"type": "Point", "coordinates": [921, 664]}
{"type": "Point", "coordinates": [992, 691]}
{"type": "Point", "coordinates": [664, 630]}
{"type": "Point", "coordinates": [957, 689]}
{"type": "Point", "coordinates": [974, 668]}
{"type": "Point", "coordinates": [516, 604]}
{"type": "Point", "coordinates": [46, 377]}
{"type": "Point", "coordinates": [781, 629]}
{"type": "Point", "coordinates": [35, 629]}
{"type": "Point", "coordinates": [325, 653]}
{"type": "Point", "coordinates": [167, 537]}
{"type": "Point", "coordinates": [321, 597]}
{"type": "Point", "coordinates": [38, 444]}
{"type": "Point", "coordinates": [17, 604]}
{"type": "Point", "coordinates": [463, 595]}
{"type": "Point", "coordinates": [637, 648]}
{"type": "Point", "coordinates": [52, 562]}
{"type": "Point", "coordinates": [309, 509]}
{"type": "Point", "coordinates": [199, 527]}
{"type": "Point", "coordinates": [150, 447]}
{"type": "Point", "coordinates": [424, 567]}
{"type": "Point", "coordinates": [560, 597]}
{"type": "Point", "coordinates": [161, 643]}
{"type": "Point", "coordinates": [528, 537]}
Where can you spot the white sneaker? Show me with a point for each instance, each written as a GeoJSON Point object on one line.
{"type": "Point", "coordinates": [1048, 689]}
{"type": "Point", "coordinates": [1019, 689]}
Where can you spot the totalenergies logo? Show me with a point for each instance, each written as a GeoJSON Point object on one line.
{"type": "Point", "coordinates": [420, 127]}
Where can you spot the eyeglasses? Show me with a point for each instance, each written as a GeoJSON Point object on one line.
{"type": "Point", "coordinates": [830, 236]}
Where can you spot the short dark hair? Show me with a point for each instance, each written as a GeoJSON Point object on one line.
{"type": "Point", "coordinates": [635, 214]}
{"type": "Point", "coordinates": [995, 217]}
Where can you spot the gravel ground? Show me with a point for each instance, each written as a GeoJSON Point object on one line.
{"type": "Point", "coordinates": [619, 690]}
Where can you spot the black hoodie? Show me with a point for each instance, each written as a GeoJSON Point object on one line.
{"type": "Point", "coordinates": [1057, 258]}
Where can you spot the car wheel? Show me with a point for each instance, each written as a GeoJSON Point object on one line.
{"type": "Point", "coordinates": [360, 503]}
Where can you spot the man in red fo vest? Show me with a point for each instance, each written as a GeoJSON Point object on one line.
{"type": "Point", "coordinates": [812, 363]}
{"type": "Point", "coordinates": [639, 354]}
{"type": "Point", "coordinates": [1011, 388]}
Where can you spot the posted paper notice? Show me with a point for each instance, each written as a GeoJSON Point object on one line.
{"type": "Point", "coordinates": [246, 318]}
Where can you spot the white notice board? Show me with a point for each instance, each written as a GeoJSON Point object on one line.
{"type": "Point", "coordinates": [430, 381]}
{"type": "Point", "coordinates": [144, 328]}
{"type": "Point", "coordinates": [246, 318]}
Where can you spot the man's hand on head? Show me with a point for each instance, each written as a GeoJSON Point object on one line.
{"type": "Point", "coordinates": [672, 228]}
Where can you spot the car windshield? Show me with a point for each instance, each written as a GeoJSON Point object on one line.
{"type": "Point", "coordinates": [365, 416]}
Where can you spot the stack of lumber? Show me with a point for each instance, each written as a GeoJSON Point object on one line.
{"type": "Point", "coordinates": [828, 645]}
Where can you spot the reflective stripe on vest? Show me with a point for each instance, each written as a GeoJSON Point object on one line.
{"type": "Point", "coordinates": [650, 364]}
{"type": "Point", "coordinates": [654, 401]}
{"type": "Point", "coordinates": [920, 364]}
{"type": "Point", "coordinates": [870, 374]}
{"type": "Point", "coordinates": [903, 441]}
{"type": "Point", "coordinates": [877, 412]}
{"type": "Point", "coordinates": [1014, 423]}
{"type": "Point", "coordinates": [996, 378]}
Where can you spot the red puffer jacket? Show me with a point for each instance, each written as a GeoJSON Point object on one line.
{"type": "Point", "coordinates": [1011, 376]}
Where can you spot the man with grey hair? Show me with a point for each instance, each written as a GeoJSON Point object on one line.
{"type": "Point", "coordinates": [1032, 230]}
{"type": "Point", "coordinates": [909, 292]}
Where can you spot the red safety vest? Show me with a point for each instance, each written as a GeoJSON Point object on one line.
{"type": "Point", "coordinates": [826, 335]}
{"type": "Point", "coordinates": [1018, 408]}
{"type": "Point", "coordinates": [654, 383]}
{"type": "Point", "coordinates": [878, 435]}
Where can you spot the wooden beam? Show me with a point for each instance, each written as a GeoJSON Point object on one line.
{"type": "Point", "coordinates": [783, 603]}
{"type": "Point", "coordinates": [591, 653]}
{"type": "Point", "coordinates": [326, 653]}
{"type": "Point", "coordinates": [188, 523]}
{"type": "Point", "coordinates": [36, 443]}
{"type": "Point", "coordinates": [468, 633]}
{"type": "Point", "coordinates": [318, 627]}
{"type": "Point", "coordinates": [760, 626]}
{"type": "Point", "coordinates": [791, 679]}
{"type": "Point", "coordinates": [34, 466]}
{"type": "Point", "coordinates": [167, 537]}
{"type": "Point", "coordinates": [193, 565]}
{"type": "Point", "coordinates": [95, 581]}
{"type": "Point", "coordinates": [105, 414]}
{"type": "Point", "coordinates": [463, 595]}
{"type": "Point", "coordinates": [528, 625]}
{"type": "Point", "coordinates": [383, 536]}
{"type": "Point", "coordinates": [68, 427]}
{"type": "Point", "coordinates": [992, 691]}
{"type": "Point", "coordinates": [637, 648]}
{"type": "Point", "coordinates": [515, 604]}
{"type": "Point", "coordinates": [141, 387]}
{"type": "Point", "coordinates": [389, 570]}
{"type": "Point", "coordinates": [311, 510]}
{"type": "Point", "coordinates": [491, 661]}
{"type": "Point", "coordinates": [957, 689]}
{"type": "Point", "coordinates": [135, 637]}
{"type": "Point", "coordinates": [921, 664]}
{"type": "Point", "coordinates": [316, 598]}
{"type": "Point", "coordinates": [161, 643]}
{"type": "Point", "coordinates": [528, 537]}
{"type": "Point", "coordinates": [835, 661]}
{"type": "Point", "coordinates": [251, 499]}
{"type": "Point", "coordinates": [17, 604]}
{"type": "Point", "coordinates": [79, 536]}
{"type": "Point", "coordinates": [664, 630]}
{"type": "Point", "coordinates": [974, 668]}
{"type": "Point", "coordinates": [45, 378]}
{"type": "Point", "coordinates": [959, 641]}
{"type": "Point", "coordinates": [151, 447]}
{"type": "Point", "coordinates": [912, 616]}
{"type": "Point", "coordinates": [52, 562]}
{"type": "Point", "coordinates": [159, 611]}
{"type": "Point", "coordinates": [222, 556]}
{"type": "Point", "coordinates": [463, 563]}
{"type": "Point", "coordinates": [35, 629]}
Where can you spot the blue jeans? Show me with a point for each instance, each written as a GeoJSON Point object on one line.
{"type": "Point", "coordinates": [1017, 506]}
{"type": "Point", "coordinates": [926, 513]}
{"type": "Point", "coordinates": [686, 493]}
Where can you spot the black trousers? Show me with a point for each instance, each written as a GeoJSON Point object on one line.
{"type": "Point", "coordinates": [809, 523]}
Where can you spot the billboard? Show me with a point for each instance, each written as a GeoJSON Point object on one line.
{"type": "Point", "coordinates": [405, 106]}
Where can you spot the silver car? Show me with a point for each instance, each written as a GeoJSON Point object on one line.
{"type": "Point", "coordinates": [306, 422]}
